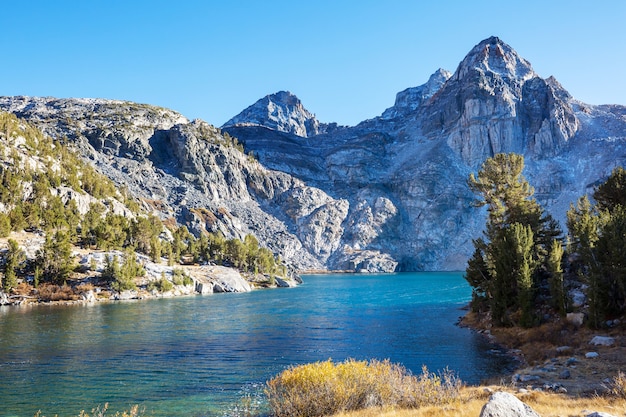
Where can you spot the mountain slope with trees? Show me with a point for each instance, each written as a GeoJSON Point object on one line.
{"type": "Point", "coordinates": [47, 190]}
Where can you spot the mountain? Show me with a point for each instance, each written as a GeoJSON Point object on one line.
{"type": "Point", "coordinates": [282, 112]}
{"type": "Point", "coordinates": [387, 194]}
{"type": "Point", "coordinates": [415, 158]}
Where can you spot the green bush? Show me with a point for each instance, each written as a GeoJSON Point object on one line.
{"type": "Point", "coordinates": [161, 285]}
{"type": "Point", "coordinates": [179, 277]}
{"type": "Point", "coordinates": [326, 388]}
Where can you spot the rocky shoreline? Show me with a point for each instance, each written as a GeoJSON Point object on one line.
{"type": "Point", "coordinates": [558, 357]}
{"type": "Point", "coordinates": [87, 286]}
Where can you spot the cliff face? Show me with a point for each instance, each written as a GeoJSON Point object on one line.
{"type": "Point", "coordinates": [387, 194]}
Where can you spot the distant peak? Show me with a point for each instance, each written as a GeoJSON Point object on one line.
{"type": "Point", "coordinates": [284, 97]}
{"type": "Point", "coordinates": [438, 78]}
{"type": "Point", "coordinates": [494, 56]}
{"type": "Point", "coordinates": [410, 99]}
{"type": "Point", "coordinates": [281, 111]}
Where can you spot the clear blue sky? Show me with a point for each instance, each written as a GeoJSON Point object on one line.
{"type": "Point", "coordinates": [346, 60]}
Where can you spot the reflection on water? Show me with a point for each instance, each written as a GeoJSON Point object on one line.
{"type": "Point", "coordinates": [200, 356]}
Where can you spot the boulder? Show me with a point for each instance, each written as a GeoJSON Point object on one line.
{"type": "Point", "coordinates": [575, 318]}
{"type": "Point", "coordinates": [599, 414]}
{"type": "Point", "coordinates": [88, 296]}
{"type": "Point", "coordinates": [591, 355]}
{"type": "Point", "coordinates": [503, 404]}
{"type": "Point", "coordinates": [563, 349]}
{"type": "Point", "coordinates": [529, 378]}
{"type": "Point", "coordinates": [228, 280]}
{"type": "Point", "coordinates": [602, 341]}
{"type": "Point", "coordinates": [578, 298]}
{"type": "Point", "coordinates": [204, 287]}
{"type": "Point", "coordinates": [126, 295]}
{"type": "Point", "coordinates": [282, 283]}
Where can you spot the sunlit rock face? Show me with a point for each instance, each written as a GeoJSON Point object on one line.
{"type": "Point", "coordinates": [387, 194]}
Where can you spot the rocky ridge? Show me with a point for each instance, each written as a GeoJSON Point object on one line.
{"type": "Point", "coordinates": [388, 194]}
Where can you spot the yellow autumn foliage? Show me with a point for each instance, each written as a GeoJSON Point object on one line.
{"type": "Point", "coordinates": [325, 388]}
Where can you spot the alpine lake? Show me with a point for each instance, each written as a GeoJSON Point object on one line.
{"type": "Point", "coordinates": [211, 355]}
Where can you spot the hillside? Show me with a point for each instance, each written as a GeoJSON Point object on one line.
{"type": "Point", "coordinates": [67, 232]}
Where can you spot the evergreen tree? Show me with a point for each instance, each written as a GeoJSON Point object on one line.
{"type": "Point", "coordinates": [555, 269]}
{"type": "Point", "coordinates": [14, 257]}
{"type": "Point", "coordinates": [598, 247]}
{"type": "Point", "coordinates": [5, 225]}
{"type": "Point", "coordinates": [55, 257]}
{"type": "Point", "coordinates": [506, 264]}
{"type": "Point", "coordinates": [90, 222]}
{"type": "Point", "coordinates": [155, 250]}
{"type": "Point", "coordinates": [611, 257]}
{"type": "Point", "coordinates": [612, 192]}
{"type": "Point", "coordinates": [144, 231]}
{"type": "Point", "coordinates": [524, 268]}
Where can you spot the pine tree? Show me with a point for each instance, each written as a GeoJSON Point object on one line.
{"type": "Point", "coordinates": [14, 257]}
{"type": "Point", "coordinates": [55, 257]}
{"type": "Point", "coordinates": [505, 264]}
{"type": "Point", "coordinates": [612, 192]}
{"type": "Point", "coordinates": [555, 269]}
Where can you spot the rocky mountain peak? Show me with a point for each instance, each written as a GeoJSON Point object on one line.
{"type": "Point", "coordinates": [281, 111]}
{"type": "Point", "coordinates": [494, 103]}
{"type": "Point", "coordinates": [410, 99]}
{"type": "Point", "coordinates": [494, 58]}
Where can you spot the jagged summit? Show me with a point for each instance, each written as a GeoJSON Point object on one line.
{"type": "Point", "coordinates": [495, 102]}
{"type": "Point", "coordinates": [493, 57]}
{"type": "Point", "coordinates": [281, 111]}
{"type": "Point", "coordinates": [410, 99]}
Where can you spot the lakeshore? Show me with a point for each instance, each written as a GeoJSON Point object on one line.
{"type": "Point", "coordinates": [559, 356]}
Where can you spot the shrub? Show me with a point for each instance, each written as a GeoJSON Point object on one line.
{"type": "Point", "coordinates": [179, 277]}
{"type": "Point", "coordinates": [325, 388]}
{"type": "Point", "coordinates": [52, 292]}
{"type": "Point", "coordinates": [161, 285]}
{"type": "Point", "coordinates": [617, 387]}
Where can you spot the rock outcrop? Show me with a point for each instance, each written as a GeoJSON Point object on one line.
{"type": "Point", "coordinates": [388, 194]}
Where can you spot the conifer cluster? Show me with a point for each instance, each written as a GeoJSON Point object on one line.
{"type": "Point", "coordinates": [519, 267]}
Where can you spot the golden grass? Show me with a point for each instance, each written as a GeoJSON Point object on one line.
{"type": "Point", "coordinates": [324, 388]}
{"type": "Point", "coordinates": [472, 399]}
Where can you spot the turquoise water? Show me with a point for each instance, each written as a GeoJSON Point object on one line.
{"type": "Point", "coordinates": [210, 355]}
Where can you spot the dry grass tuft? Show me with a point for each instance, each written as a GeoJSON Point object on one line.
{"type": "Point", "coordinates": [324, 388]}
{"type": "Point", "coordinates": [617, 387]}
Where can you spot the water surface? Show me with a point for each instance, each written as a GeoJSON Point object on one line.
{"type": "Point", "coordinates": [206, 355]}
